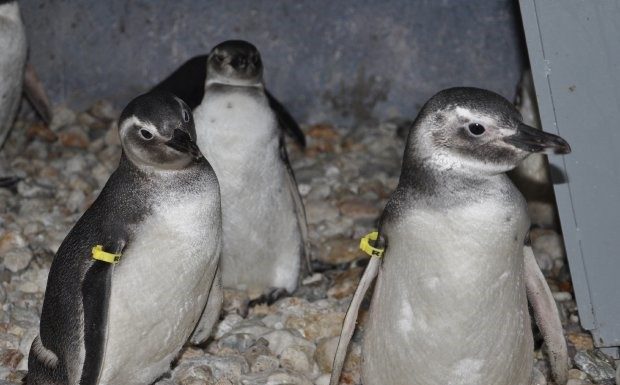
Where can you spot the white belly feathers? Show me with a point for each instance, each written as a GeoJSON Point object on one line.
{"type": "Point", "coordinates": [159, 289]}
{"type": "Point", "coordinates": [238, 134]}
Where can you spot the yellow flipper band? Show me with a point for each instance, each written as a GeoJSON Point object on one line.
{"type": "Point", "coordinates": [367, 248]}
{"type": "Point", "coordinates": [104, 256]}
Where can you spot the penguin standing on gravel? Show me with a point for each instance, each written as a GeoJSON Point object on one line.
{"type": "Point", "coordinates": [136, 277]}
{"type": "Point", "coordinates": [263, 217]}
{"type": "Point", "coordinates": [450, 305]}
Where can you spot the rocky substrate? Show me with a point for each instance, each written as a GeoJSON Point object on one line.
{"type": "Point", "coordinates": [345, 177]}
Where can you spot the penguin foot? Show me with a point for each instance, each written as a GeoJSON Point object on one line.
{"type": "Point", "coordinates": [9, 182]}
{"type": "Point", "coordinates": [321, 267]}
{"type": "Point", "coordinates": [270, 297]}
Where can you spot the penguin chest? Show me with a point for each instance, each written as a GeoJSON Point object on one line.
{"type": "Point", "coordinates": [239, 137]}
{"type": "Point", "coordinates": [452, 285]}
{"type": "Point", "coordinates": [159, 289]}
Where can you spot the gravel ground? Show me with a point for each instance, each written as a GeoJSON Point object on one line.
{"type": "Point", "coordinates": [345, 177]}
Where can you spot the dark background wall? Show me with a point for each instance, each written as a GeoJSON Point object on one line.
{"type": "Point", "coordinates": [342, 61]}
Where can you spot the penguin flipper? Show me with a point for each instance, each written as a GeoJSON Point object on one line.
{"type": "Point", "coordinates": [187, 82]}
{"type": "Point", "coordinates": [286, 120]}
{"type": "Point", "coordinates": [211, 313]}
{"type": "Point", "coordinates": [35, 93]}
{"type": "Point", "coordinates": [547, 316]}
{"type": "Point", "coordinates": [96, 289]}
{"type": "Point", "coordinates": [350, 319]}
{"type": "Point", "coordinates": [300, 210]}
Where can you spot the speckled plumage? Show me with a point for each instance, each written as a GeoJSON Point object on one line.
{"type": "Point", "coordinates": [124, 324]}
{"type": "Point", "coordinates": [263, 218]}
{"type": "Point", "coordinates": [450, 306]}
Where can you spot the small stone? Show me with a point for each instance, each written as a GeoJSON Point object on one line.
{"type": "Point", "coordinates": [238, 341]}
{"type": "Point", "coordinates": [577, 374]}
{"type": "Point", "coordinates": [235, 301]}
{"type": "Point", "coordinates": [104, 110]}
{"type": "Point", "coordinates": [28, 287]}
{"type": "Point", "coordinates": [294, 358]}
{"type": "Point", "coordinates": [17, 259]}
{"type": "Point", "coordinates": [277, 377]}
{"type": "Point", "coordinates": [41, 131]}
{"type": "Point", "coordinates": [73, 136]}
{"type": "Point", "coordinates": [358, 209]}
{"type": "Point", "coordinates": [62, 116]}
{"type": "Point", "coordinates": [325, 353]}
{"type": "Point", "coordinates": [111, 137]}
{"type": "Point", "coordinates": [345, 283]}
{"type": "Point", "coordinates": [230, 366]}
{"type": "Point", "coordinates": [76, 200]}
{"type": "Point", "coordinates": [323, 379]}
{"type": "Point", "coordinates": [318, 212]}
{"type": "Point", "coordinates": [595, 364]}
{"type": "Point", "coordinates": [226, 325]}
{"type": "Point", "coordinates": [562, 296]}
{"type": "Point", "coordinates": [315, 326]}
{"type": "Point", "coordinates": [282, 339]}
{"type": "Point", "coordinates": [10, 358]}
{"type": "Point", "coordinates": [29, 189]}
{"type": "Point", "coordinates": [578, 382]}
{"type": "Point", "coordinates": [549, 242]}
{"type": "Point", "coordinates": [11, 240]}
{"type": "Point", "coordinates": [581, 341]}
{"type": "Point", "coordinates": [264, 363]}
{"type": "Point", "coordinates": [339, 250]}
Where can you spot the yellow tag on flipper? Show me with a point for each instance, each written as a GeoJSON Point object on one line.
{"type": "Point", "coordinates": [104, 256]}
{"type": "Point", "coordinates": [367, 248]}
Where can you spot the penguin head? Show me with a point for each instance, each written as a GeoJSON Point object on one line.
{"type": "Point", "coordinates": [476, 131]}
{"type": "Point", "coordinates": [235, 62]}
{"type": "Point", "coordinates": [157, 131]}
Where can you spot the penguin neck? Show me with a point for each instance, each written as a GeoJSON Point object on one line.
{"type": "Point", "coordinates": [186, 174]}
{"type": "Point", "coordinates": [444, 183]}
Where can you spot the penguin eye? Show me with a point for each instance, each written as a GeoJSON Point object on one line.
{"type": "Point", "coordinates": [146, 134]}
{"type": "Point", "coordinates": [185, 116]}
{"type": "Point", "coordinates": [476, 129]}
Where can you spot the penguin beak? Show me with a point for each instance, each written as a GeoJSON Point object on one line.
{"type": "Point", "coordinates": [531, 139]}
{"type": "Point", "coordinates": [183, 142]}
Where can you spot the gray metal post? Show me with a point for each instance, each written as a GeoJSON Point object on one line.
{"type": "Point", "coordinates": [574, 51]}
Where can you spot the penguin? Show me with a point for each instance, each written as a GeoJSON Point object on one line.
{"type": "Point", "coordinates": [188, 83]}
{"type": "Point", "coordinates": [450, 304]}
{"type": "Point", "coordinates": [264, 226]}
{"type": "Point", "coordinates": [12, 63]}
{"type": "Point", "coordinates": [124, 323]}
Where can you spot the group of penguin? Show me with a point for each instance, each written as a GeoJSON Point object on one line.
{"type": "Point", "coordinates": [204, 197]}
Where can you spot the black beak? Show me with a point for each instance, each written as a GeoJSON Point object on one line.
{"type": "Point", "coordinates": [531, 139]}
{"type": "Point", "coordinates": [182, 142]}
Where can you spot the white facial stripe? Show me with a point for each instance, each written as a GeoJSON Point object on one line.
{"type": "Point", "coordinates": [133, 120]}
{"type": "Point", "coordinates": [472, 116]}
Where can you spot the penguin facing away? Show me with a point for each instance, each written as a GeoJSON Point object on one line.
{"type": "Point", "coordinates": [263, 217]}
{"type": "Point", "coordinates": [450, 305]}
{"type": "Point", "coordinates": [106, 323]}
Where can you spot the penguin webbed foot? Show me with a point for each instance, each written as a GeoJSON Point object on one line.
{"type": "Point", "coordinates": [271, 296]}
{"type": "Point", "coordinates": [9, 182]}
